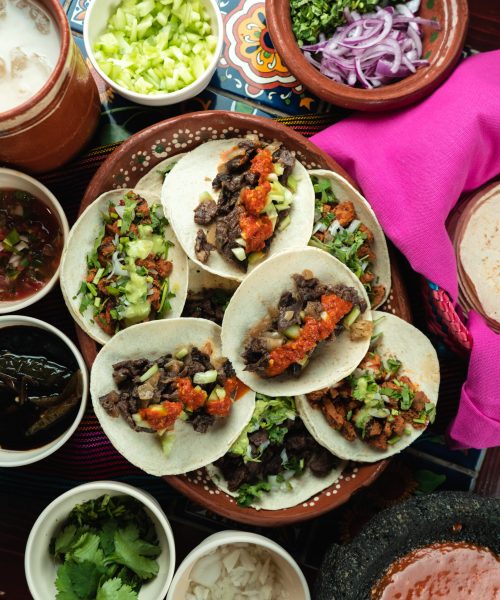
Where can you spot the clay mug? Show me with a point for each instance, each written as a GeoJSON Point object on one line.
{"type": "Point", "coordinates": [54, 124]}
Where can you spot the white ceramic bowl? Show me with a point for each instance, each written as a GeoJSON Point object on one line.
{"type": "Point", "coordinates": [39, 565]}
{"type": "Point", "coordinates": [293, 580]}
{"type": "Point", "coordinates": [17, 458]}
{"type": "Point", "coordinates": [96, 19]}
{"type": "Point", "coordinates": [11, 179]}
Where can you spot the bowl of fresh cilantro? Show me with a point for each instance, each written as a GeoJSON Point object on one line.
{"type": "Point", "coordinates": [103, 540]}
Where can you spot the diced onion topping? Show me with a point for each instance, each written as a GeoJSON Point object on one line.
{"type": "Point", "coordinates": [236, 572]}
{"type": "Point", "coordinates": [372, 49]}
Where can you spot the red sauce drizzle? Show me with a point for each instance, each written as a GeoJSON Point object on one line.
{"type": "Point", "coordinates": [164, 415]}
{"type": "Point", "coordinates": [256, 230]}
{"type": "Point", "coordinates": [442, 571]}
{"type": "Point", "coordinates": [234, 390]}
{"type": "Point", "coordinates": [255, 199]}
{"type": "Point", "coordinates": [192, 397]}
{"type": "Point", "coordinates": [313, 331]}
{"type": "Point", "coordinates": [161, 416]}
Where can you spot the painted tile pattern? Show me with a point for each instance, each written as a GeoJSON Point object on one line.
{"type": "Point", "coordinates": [76, 14]}
{"type": "Point", "coordinates": [249, 67]}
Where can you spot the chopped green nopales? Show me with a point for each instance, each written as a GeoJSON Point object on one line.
{"type": "Point", "coordinates": [153, 47]}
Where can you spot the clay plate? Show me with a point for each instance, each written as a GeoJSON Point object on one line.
{"type": "Point", "coordinates": [124, 167]}
{"type": "Point", "coordinates": [442, 48]}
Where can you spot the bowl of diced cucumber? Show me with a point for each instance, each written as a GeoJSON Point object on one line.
{"type": "Point", "coordinates": [154, 52]}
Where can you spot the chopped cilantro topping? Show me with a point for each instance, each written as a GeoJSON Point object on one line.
{"type": "Point", "coordinates": [247, 494]}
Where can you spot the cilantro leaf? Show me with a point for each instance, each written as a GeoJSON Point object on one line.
{"type": "Point", "coordinates": [77, 581]}
{"type": "Point", "coordinates": [249, 493]}
{"type": "Point", "coordinates": [114, 589]}
{"type": "Point", "coordinates": [107, 535]}
{"type": "Point", "coordinates": [128, 552]}
{"type": "Point", "coordinates": [129, 577]}
{"type": "Point", "coordinates": [406, 398]}
{"type": "Point", "coordinates": [64, 585]}
{"type": "Point", "coordinates": [430, 410]}
{"type": "Point", "coordinates": [86, 547]}
{"type": "Point", "coordinates": [128, 214]}
{"type": "Point", "coordinates": [295, 464]}
{"type": "Point", "coordinates": [277, 434]}
{"type": "Point", "coordinates": [65, 541]}
{"type": "Point", "coordinates": [92, 258]}
{"type": "Point", "coordinates": [392, 366]}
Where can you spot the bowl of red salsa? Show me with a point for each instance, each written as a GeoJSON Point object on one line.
{"type": "Point", "coordinates": [33, 233]}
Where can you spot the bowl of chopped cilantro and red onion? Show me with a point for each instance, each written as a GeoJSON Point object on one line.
{"type": "Point", "coordinates": [369, 54]}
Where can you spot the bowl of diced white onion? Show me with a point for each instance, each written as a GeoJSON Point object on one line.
{"type": "Point", "coordinates": [237, 565]}
{"type": "Point", "coordinates": [154, 52]}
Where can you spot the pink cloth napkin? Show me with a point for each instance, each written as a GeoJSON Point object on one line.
{"type": "Point", "coordinates": [412, 166]}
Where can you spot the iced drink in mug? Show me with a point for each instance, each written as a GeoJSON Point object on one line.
{"type": "Point", "coordinates": [49, 105]}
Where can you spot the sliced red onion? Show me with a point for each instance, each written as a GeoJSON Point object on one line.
{"type": "Point", "coordinates": [369, 43]}
{"type": "Point", "coordinates": [372, 49]}
{"type": "Point", "coordinates": [310, 59]}
{"type": "Point", "coordinates": [359, 72]}
{"type": "Point", "coordinates": [417, 41]}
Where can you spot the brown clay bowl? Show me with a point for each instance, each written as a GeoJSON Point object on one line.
{"type": "Point", "coordinates": [124, 167]}
{"type": "Point", "coordinates": [442, 48]}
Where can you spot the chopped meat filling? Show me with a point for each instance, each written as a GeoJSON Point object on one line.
{"type": "Point", "coordinates": [377, 406]}
{"type": "Point", "coordinates": [152, 395]}
{"type": "Point", "coordinates": [298, 445]}
{"type": "Point", "coordinates": [202, 247]}
{"type": "Point", "coordinates": [311, 314]}
{"type": "Point", "coordinates": [247, 176]}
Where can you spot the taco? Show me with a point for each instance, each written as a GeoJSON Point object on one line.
{"type": "Point", "coordinates": [478, 254]}
{"type": "Point", "coordinates": [300, 321]}
{"type": "Point", "coordinates": [122, 265]}
{"type": "Point", "coordinates": [233, 202]}
{"type": "Point", "coordinates": [166, 398]}
{"type": "Point", "coordinates": [275, 463]}
{"type": "Point", "coordinates": [346, 227]}
{"type": "Point", "coordinates": [385, 404]}
{"type": "Point", "coordinates": [153, 180]}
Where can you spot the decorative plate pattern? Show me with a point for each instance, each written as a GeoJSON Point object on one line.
{"type": "Point", "coordinates": [124, 167]}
